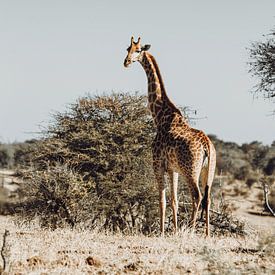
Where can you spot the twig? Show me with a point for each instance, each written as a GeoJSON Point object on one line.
{"type": "Point", "coordinates": [221, 204]}
{"type": "Point", "coordinates": [216, 212]}
{"type": "Point", "coordinates": [265, 189]}
{"type": "Point", "coordinates": [5, 250]}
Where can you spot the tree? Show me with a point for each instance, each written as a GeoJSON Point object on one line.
{"type": "Point", "coordinates": [262, 65]}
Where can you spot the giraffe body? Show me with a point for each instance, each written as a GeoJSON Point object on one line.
{"type": "Point", "coordinates": [177, 147]}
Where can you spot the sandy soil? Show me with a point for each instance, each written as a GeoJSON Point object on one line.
{"type": "Point", "coordinates": [247, 205]}
{"type": "Point", "coordinates": [30, 250]}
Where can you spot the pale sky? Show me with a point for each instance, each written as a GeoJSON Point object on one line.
{"type": "Point", "coordinates": [53, 52]}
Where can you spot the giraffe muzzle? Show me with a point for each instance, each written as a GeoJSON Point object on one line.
{"type": "Point", "coordinates": [127, 62]}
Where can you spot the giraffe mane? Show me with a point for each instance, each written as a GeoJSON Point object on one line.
{"type": "Point", "coordinates": [162, 85]}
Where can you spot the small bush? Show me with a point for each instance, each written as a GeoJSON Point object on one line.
{"type": "Point", "coordinates": [56, 196]}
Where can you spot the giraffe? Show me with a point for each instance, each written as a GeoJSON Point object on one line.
{"type": "Point", "coordinates": [177, 147]}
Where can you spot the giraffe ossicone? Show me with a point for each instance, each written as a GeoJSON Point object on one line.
{"type": "Point", "coordinates": [177, 147]}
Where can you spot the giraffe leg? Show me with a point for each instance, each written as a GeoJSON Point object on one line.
{"type": "Point", "coordinates": [174, 198]}
{"type": "Point", "coordinates": [196, 194]}
{"type": "Point", "coordinates": [193, 206]}
{"type": "Point", "coordinates": [159, 173]}
{"type": "Point", "coordinates": [162, 204]}
{"type": "Point", "coordinates": [208, 185]}
{"type": "Point", "coordinates": [208, 202]}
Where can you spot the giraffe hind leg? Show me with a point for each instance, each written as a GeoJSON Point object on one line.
{"type": "Point", "coordinates": [207, 179]}
{"type": "Point", "coordinates": [204, 203]}
{"type": "Point", "coordinates": [196, 197]}
{"type": "Point", "coordinates": [207, 207]}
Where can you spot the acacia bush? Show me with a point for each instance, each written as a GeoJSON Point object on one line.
{"type": "Point", "coordinates": [94, 166]}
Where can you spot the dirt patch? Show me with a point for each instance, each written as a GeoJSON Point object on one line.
{"type": "Point", "coordinates": [66, 251]}
{"type": "Point", "coordinates": [247, 204]}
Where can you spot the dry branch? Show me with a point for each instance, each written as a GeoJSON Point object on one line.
{"type": "Point", "coordinates": [266, 191]}
{"type": "Point", "coordinates": [5, 251]}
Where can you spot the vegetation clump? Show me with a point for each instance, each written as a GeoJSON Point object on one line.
{"type": "Point", "coordinates": [94, 166]}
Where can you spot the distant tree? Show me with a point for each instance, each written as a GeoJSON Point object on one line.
{"type": "Point", "coordinates": [21, 152]}
{"type": "Point", "coordinates": [270, 167]}
{"type": "Point", "coordinates": [256, 153]}
{"type": "Point", "coordinates": [262, 65]}
{"type": "Point", "coordinates": [4, 158]}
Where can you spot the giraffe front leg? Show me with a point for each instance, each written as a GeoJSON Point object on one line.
{"type": "Point", "coordinates": [162, 206]}
{"type": "Point", "coordinates": [159, 173]}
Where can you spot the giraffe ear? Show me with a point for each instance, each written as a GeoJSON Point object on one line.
{"type": "Point", "coordinates": [145, 47]}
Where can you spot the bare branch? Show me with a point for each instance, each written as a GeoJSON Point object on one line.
{"type": "Point", "coordinates": [262, 65]}
{"type": "Point", "coordinates": [266, 191]}
{"type": "Point", "coordinates": [5, 251]}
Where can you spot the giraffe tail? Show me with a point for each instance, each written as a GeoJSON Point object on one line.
{"type": "Point", "coordinates": [211, 165]}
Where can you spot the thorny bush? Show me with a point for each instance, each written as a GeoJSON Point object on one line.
{"type": "Point", "coordinates": [94, 166]}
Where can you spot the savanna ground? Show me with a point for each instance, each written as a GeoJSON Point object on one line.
{"type": "Point", "coordinates": [32, 250]}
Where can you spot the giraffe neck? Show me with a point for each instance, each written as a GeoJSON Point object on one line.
{"type": "Point", "coordinates": [159, 103]}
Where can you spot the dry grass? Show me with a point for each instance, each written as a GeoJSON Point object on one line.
{"type": "Point", "coordinates": [33, 250]}
{"type": "Point", "coordinates": [65, 251]}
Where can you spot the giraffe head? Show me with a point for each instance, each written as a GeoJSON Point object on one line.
{"type": "Point", "coordinates": [135, 52]}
